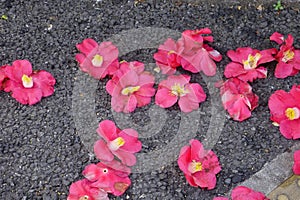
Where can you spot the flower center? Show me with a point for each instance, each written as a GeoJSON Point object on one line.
{"type": "Point", "coordinates": [288, 55]}
{"type": "Point", "coordinates": [292, 113]}
{"type": "Point", "coordinates": [178, 90]}
{"type": "Point", "coordinates": [195, 167]}
{"type": "Point", "coordinates": [171, 52]}
{"type": "Point", "coordinates": [85, 197]}
{"type": "Point", "coordinates": [97, 60]}
{"type": "Point", "coordinates": [251, 62]}
{"type": "Point", "coordinates": [130, 90]}
{"type": "Point", "coordinates": [27, 81]}
{"type": "Point", "coordinates": [116, 143]}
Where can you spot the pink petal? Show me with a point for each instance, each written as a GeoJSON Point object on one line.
{"type": "Point", "coordinates": [290, 129]}
{"type": "Point", "coordinates": [131, 104]}
{"type": "Point", "coordinates": [283, 70]}
{"type": "Point", "coordinates": [45, 81]}
{"type": "Point", "coordinates": [234, 69]}
{"type": "Point", "coordinates": [184, 159]}
{"type": "Point", "coordinates": [27, 95]}
{"type": "Point", "coordinates": [205, 180]}
{"type": "Point", "coordinates": [296, 166]}
{"type": "Point", "coordinates": [102, 152]}
{"type": "Point", "coordinates": [164, 98]}
{"type": "Point", "coordinates": [277, 37]}
{"type": "Point", "coordinates": [240, 54]}
{"type": "Point", "coordinates": [190, 180]}
{"type": "Point", "coordinates": [126, 158]}
{"type": "Point", "coordinates": [132, 144]}
{"type": "Point", "coordinates": [107, 130]}
{"type": "Point", "coordinates": [87, 46]}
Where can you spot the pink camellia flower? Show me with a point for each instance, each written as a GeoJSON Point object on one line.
{"type": "Point", "coordinates": [28, 87]}
{"type": "Point", "coordinates": [198, 165]}
{"type": "Point", "coordinates": [130, 87]}
{"type": "Point", "coordinates": [111, 180]}
{"type": "Point", "coordinates": [122, 144]}
{"type": "Point", "coordinates": [288, 57]}
{"type": "Point", "coordinates": [167, 58]}
{"type": "Point", "coordinates": [238, 98]}
{"type": "Point", "coordinates": [245, 193]}
{"type": "Point", "coordinates": [296, 166]}
{"type": "Point", "coordinates": [178, 88]}
{"type": "Point", "coordinates": [285, 111]}
{"type": "Point", "coordinates": [195, 55]}
{"type": "Point", "coordinates": [98, 60]}
{"type": "Point", "coordinates": [2, 77]}
{"type": "Point", "coordinates": [247, 62]}
{"type": "Point", "coordinates": [82, 190]}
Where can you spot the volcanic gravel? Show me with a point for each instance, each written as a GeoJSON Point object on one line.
{"type": "Point", "coordinates": [41, 150]}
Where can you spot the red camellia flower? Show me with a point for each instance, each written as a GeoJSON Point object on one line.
{"type": "Point", "coordinates": [82, 190]}
{"type": "Point", "coordinates": [245, 193]}
{"type": "Point", "coordinates": [296, 166]}
{"type": "Point", "coordinates": [167, 58]}
{"type": "Point", "coordinates": [112, 177]}
{"type": "Point", "coordinates": [28, 87]}
{"type": "Point", "coordinates": [130, 87]}
{"type": "Point", "coordinates": [122, 144]}
{"type": "Point", "coordinates": [97, 60]}
{"type": "Point", "coordinates": [2, 77]}
{"type": "Point", "coordinates": [285, 111]}
{"type": "Point", "coordinates": [246, 63]}
{"type": "Point", "coordinates": [238, 98]}
{"type": "Point", "coordinates": [189, 95]}
{"type": "Point", "coordinates": [288, 57]}
{"type": "Point", "coordinates": [195, 55]}
{"type": "Point", "coordinates": [198, 165]}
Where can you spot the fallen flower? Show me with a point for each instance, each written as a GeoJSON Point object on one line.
{"type": "Point", "coordinates": [238, 98]}
{"type": "Point", "coordinates": [178, 88]}
{"type": "Point", "coordinates": [116, 142]}
{"type": "Point", "coordinates": [82, 190]}
{"type": "Point", "coordinates": [288, 57]}
{"type": "Point", "coordinates": [296, 166]}
{"type": "Point", "coordinates": [28, 87]}
{"type": "Point", "coordinates": [285, 111]}
{"type": "Point", "coordinates": [167, 58]}
{"type": "Point", "coordinates": [247, 62]}
{"type": "Point", "coordinates": [130, 87]}
{"type": "Point", "coordinates": [198, 165]}
{"type": "Point", "coordinates": [98, 60]}
{"type": "Point", "coordinates": [244, 193]}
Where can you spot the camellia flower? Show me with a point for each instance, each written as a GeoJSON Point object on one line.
{"type": "Point", "coordinates": [122, 144]}
{"type": "Point", "coordinates": [2, 77]}
{"type": "Point", "coordinates": [285, 111]}
{"type": "Point", "coordinates": [244, 193]}
{"type": "Point", "coordinates": [296, 166]}
{"type": "Point", "coordinates": [195, 55]}
{"type": "Point", "coordinates": [167, 58]}
{"type": "Point", "coordinates": [189, 95]}
{"type": "Point", "coordinates": [238, 98]}
{"type": "Point", "coordinates": [198, 165]}
{"type": "Point", "coordinates": [82, 190]}
{"type": "Point", "coordinates": [28, 87]}
{"type": "Point", "coordinates": [130, 87]}
{"type": "Point", "coordinates": [288, 57]}
{"type": "Point", "coordinates": [246, 63]}
{"type": "Point", "coordinates": [97, 60]}
{"type": "Point", "coordinates": [111, 180]}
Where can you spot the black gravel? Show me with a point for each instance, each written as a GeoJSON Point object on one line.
{"type": "Point", "coordinates": [41, 152]}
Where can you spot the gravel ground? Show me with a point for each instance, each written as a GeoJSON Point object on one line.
{"type": "Point", "coordinates": [41, 152]}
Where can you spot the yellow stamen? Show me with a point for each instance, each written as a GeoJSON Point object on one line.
{"type": "Point", "coordinates": [116, 143]}
{"type": "Point", "coordinates": [171, 52]}
{"type": "Point", "coordinates": [130, 90]}
{"type": "Point", "coordinates": [27, 81]}
{"type": "Point", "coordinates": [195, 167]}
{"type": "Point", "coordinates": [85, 197]}
{"type": "Point", "coordinates": [292, 113]}
{"type": "Point", "coordinates": [97, 60]}
{"type": "Point", "coordinates": [288, 55]}
{"type": "Point", "coordinates": [178, 90]}
{"type": "Point", "coordinates": [251, 62]}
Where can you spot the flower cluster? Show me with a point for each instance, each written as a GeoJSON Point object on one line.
{"type": "Point", "coordinates": [115, 150]}
{"type": "Point", "coordinates": [244, 193]}
{"type": "Point", "coordinates": [26, 86]}
{"type": "Point", "coordinates": [198, 165]}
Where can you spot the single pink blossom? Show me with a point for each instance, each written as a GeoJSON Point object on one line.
{"type": "Point", "coordinates": [115, 142]}
{"type": "Point", "coordinates": [82, 190]}
{"type": "Point", "coordinates": [198, 165]}
{"type": "Point", "coordinates": [98, 60]}
{"type": "Point", "coordinates": [285, 111]}
{"type": "Point", "coordinates": [130, 87]}
{"type": "Point", "coordinates": [28, 87]}
{"type": "Point", "coordinates": [178, 88]}
{"type": "Point", "coordinates": [245, 193]}
{"type": "Point", "coordinates": [288, 57]}
{"type": "Point", "coordinates": [196, 55]}
{"type": "Point", "coordinates": [167, 58]}
{"type": "Point", "coordinates": [247, 62]}
{"type": "Point", "coordinates": [112, 177]}
{"type": "Point", "coordinates": [296, 166]}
